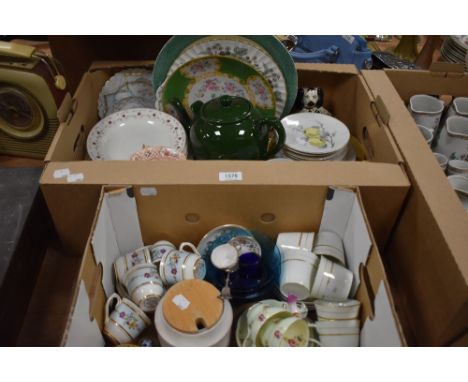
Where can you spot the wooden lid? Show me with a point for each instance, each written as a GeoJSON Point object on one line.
{"type": "Point", "coordinates": [192, 305]}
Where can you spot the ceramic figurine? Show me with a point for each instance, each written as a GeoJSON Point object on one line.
{"type": "Point", "coordinates": [310, 100]}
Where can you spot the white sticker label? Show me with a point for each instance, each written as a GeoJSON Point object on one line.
{"type": "Point", "coordinates": [62, 173]}
{"type": "Point", "coordinates": [181, 302]}
{"type": "Point", "coordinates": [148, 191]}
{"type": "Point", "coordinates": [75, 177]}
{"type": "Point", "coordinates": [230, 176]}
{"type": "Point", "coordinates": [350, 39]}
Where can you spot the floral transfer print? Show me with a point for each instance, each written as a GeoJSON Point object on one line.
{"type": "Point", "coordinates": [136, 258]}
{"type": "Point", "coordinates": [172, 266]}
{"type": "Point", "coordinates": [129, 320]}
{"type": "Point", "coordinates": [216, 86]}
{"type": "Point", "coordinates": [199, 67]}
{"type": "Point", "coordinates": [261, 93]}
{"type": "Point", "coordinates": [316, 136]}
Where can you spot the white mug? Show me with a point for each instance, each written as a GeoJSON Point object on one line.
{"type": "Point", "coordinates": [457, 167]}
{"type": "Point", "coordinates": [338, 333]}
{"type": "Point", "coordinates": [442, 160]}
{"type": "Point", "coordinates": [329, 244]}
{"type": "Point", "coordinates": [459, 107]}
{"type": "Point", "coordinates": [126, 322]}
{"type": "Point", "coordinates": [427, 134]}
{"type": "Point", "coordinates": [144, 286]}
{"type": "Point", "coordinates": [453, 139]}
{"type": "Point", "coordinates": [332, 281]}
{"type": "Point", "coordinates": [460, 184]}
{"type": "Point", "coordinates": [287, 332]}
{"type": "Point", "coordinates": [426, 111]}
{"type": "Point", "coordinates": [337, 310]}
{"type": "Point", "coordinates": [179, 265]}
{"type": "Point", "coordinates": [295, 240]}
{"type": "Point", "coordinates": [298, 268]}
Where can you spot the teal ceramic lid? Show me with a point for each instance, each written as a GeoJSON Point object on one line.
{"type": "Point", "coordinates": [226, 109]}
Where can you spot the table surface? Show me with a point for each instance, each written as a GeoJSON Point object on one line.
{"type": "Point", "coordinates": [18, 190]}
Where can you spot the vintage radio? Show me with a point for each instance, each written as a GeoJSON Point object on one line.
{"type": "Point", "coordinates": [31, 91]}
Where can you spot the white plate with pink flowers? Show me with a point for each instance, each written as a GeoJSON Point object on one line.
{"type": "Point", "coordinates": [122, 134]}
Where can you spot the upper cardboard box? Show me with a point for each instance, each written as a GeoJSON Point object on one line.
{"type": "Point", "coordinates": [128, 220]}
{"type": "Point", "coordinates": [428, 250]}
{"type": "Point", "coordinates": [346, 95]}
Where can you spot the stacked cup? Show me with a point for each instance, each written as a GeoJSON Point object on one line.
{"type": "Point", "coordinates": [338, 323]}
{"type": "Point", "coordinates": [317, 272]}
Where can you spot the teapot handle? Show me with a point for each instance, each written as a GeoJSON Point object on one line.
{"type": "Point", "coordinates": [177, 110]}
{"type": "Point", "coordinates": [277, 126]}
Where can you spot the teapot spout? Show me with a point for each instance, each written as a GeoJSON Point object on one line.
{"type": "Point", "coordinates": [177, 110]}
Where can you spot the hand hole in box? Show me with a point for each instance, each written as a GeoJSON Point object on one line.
{"type": "Point", "coordinates": [192, 218]}
{"type": "Point", "coordinates": [267, 218]}
{"type": "Point", "coordinates": [367, 142]}
{"type": "Point", "coordinates": [78, 139]}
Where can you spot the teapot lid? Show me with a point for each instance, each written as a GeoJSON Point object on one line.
{"type": "Point", "coordinates": [226, 109]}
{"type": "Point", "coordinates": [192, 305]}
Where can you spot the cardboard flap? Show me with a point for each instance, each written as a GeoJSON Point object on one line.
{"type": "Point", "coordinates": [383, 329]}
{"type": "Point", "coordinates": [117, 233]}
{"type": "Point", "coordinates": [446, 69]}
{"type": "Point", "coordinates": [343, 215]}
{"type": "Point", "coordinates": [357, 243]}
{"type": "Point", "coordinates": [82, 330]}
{"type": "Point", "coordinates": [336, 211]}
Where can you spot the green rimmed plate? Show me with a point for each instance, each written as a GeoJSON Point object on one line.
{"type": "Point", "coordinates": [207, 78]}
{"type": "Point", "coordinates": [178, 44]}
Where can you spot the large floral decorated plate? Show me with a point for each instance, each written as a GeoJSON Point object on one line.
{"type": "Point", "coordinates": [207, 78]}
{"type": "Point", "coordinates": [120, 135]}
{"type": "Point", "coordinates": [244, 50]}
{"type": "Point", "coordinates": [179, 46]}
{"type": "Point", "coordinates": [125, 89]}
{"type": "Point", "coordinates": [314, 134]}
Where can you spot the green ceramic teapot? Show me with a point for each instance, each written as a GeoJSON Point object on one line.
{"type": "Point", "coordinates": [231, 128]}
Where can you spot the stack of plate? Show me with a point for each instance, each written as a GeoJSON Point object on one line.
{"type": "Point", "coordinates": [315, 137]}
{"type": "Point", "coordinates": [455, 49]}
{"type": "Point", "coordinates": [258, 68]}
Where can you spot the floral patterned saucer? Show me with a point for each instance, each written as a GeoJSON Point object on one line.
{"type": "Point", "coordinates": [211, 77]}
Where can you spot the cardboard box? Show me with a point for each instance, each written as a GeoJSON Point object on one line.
{"type": "Point", "coordinates": [135, 216]}
{"type": "Point", "coordinates": [346, 95]}
{"type": "Point", "coordinates": [428, 252]}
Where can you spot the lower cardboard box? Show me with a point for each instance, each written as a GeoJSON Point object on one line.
{"type": "Point", "coordinates": [130, 217]}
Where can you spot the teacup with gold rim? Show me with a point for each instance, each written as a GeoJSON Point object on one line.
{"type": "Point", "coordinates": [179, 265]}
{"type": "Point", "coordinates": [124, 263]}
{"type": "Point", "coordinates": [144, 286]}
{"type": "Point", "coordinates": [126, 322]}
